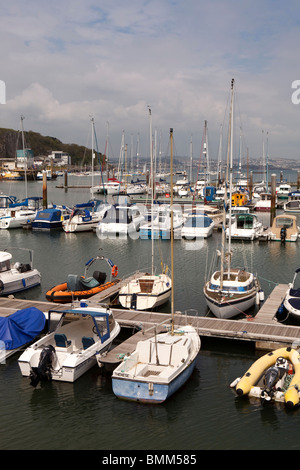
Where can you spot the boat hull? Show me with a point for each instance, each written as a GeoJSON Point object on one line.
{"type": "Point", "coordinates": [150, 392]}
{"type": "Point", "coordinates": [228, 308]}
{"type": "Point", "coordinates": [20, 282]}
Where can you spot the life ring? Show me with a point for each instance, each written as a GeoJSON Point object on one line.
{"type": "Point", "coordinates": [114, 270]}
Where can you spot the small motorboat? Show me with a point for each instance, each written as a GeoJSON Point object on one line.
{"type": "Point", "coordinates": [19, 329]}
{"type": "Point", "coordinates": [83, 287]}
{"type": "Point", "coordinates": [245, 227]}
{"type": "Point", "coordinates": [284, 228]}
{"type": "Point", "coordinates": [273, 377]}
{"type": "Point", "coordinates": [18, 276]}
{"type": "Point", "coordinates": [69, 350]}
{"type": "Point", "coordinates": [158, 367]}
{"type": "Point", "coordinates": [291, 302]}
{"type": "Point", "coordinates": [20, 213]}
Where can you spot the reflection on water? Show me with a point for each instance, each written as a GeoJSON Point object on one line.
{"type": "Point", "coordinates": [204, 414]}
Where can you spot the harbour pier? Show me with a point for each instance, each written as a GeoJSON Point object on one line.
{"type": "Point", "coordinates": [263, 330]}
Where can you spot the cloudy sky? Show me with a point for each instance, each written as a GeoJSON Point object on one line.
{"type": "Point", "coordinates": [65, 61]}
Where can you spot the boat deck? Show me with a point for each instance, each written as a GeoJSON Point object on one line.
{"type": "Point", "coordinates": [263, 329]}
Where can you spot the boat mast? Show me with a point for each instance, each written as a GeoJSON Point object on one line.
{"type": "Point", "coordinates": [25, 157]}
{"type": "Point", "coordinates": [152, 191]}
{"type": "Point", "coordinates": [230, 177]}
{"type": "Point", "coordinates": [172, 237]}
{"type": "Point", "coordinates": [93, 156]}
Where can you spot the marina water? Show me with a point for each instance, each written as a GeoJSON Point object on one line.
{"type": "Point", "coordinates": [205, 413]}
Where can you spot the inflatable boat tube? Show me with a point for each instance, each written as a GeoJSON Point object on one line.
{"type": "Point", "coordinates": [254, 373]}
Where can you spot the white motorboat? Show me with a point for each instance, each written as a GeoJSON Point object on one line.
{"type": "Point", "coordinates": [70, 350]}
{"type": "Point", "coordinates": [136, 188]}
{"type": "Point", "coordinates": [263, 204]}
{"type": "Point", "coordinates": [84, 218]}
{"type": "Point", "coordinates": [197, 226]}
{"type": "Point", "coordinates": [158, 367]}
{"type": "Point", "coordinates": [121, 220]}
{"type": "Point", "coordinates": [245, 227]}
{"type": "Point", "coordinates": [17, 277]}
{"type": "Point", "coordinates": [146, 292]}
{"type": "Point", "coordinates": [230, 291]}
{"type": "Point", "coordinates": [284, 228]}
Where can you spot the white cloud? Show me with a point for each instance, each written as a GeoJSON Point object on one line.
{"type": "Point", "coordinates": [65, 61]}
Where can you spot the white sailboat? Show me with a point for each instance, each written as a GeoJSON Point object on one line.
{"type": "Point", "coordinates": [161, 364]}
{"type": "Point", "coordinates": [151, 290]}
{"type": "Point", "coordinates": [233, 291]}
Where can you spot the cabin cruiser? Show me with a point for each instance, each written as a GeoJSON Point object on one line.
{"type": "Point", "coordinates": [160, 226]}
{"type": "Point", "coordinates": [293, 203]}
{"type": "Point", "coordinates": [283, 191]}
{"type": "Point", "coordinates": [20, 213]}
{"type": "Point", "coordinates": [245, 226]}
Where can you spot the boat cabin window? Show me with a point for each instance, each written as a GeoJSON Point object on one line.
{"type": "Point", "coordinates": [4, 265]}
{"type": "Point", "coordinates": [244, 221]}
{"type": "Point", "coordinates": [284, 222]}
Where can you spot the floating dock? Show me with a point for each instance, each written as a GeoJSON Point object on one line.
{"type": "Point", "coordinates": [263, 330]}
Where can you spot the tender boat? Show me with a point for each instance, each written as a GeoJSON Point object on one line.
{"type": "Point", "coordinates": [84, 218]}
{"type": "Point", "coordinates": [284, 228]}
{"type": "Point", "coordinates": [158, 367]}
{"type": "Point", "coordinates": [18, 276]}
{"type": "Point", "coordinates": [291, 301]}
{"type": "Point", "coordinates": [83, 287]}
{"type": "Point", "coordinates": [245, 227]}
{"type": "Point", "coordinates": [197, 226]}
{"type": "Point", "coordinates": [50, 219]}
{"type": "Point", "coordinates": [69, 350]}
{"type": "Point", "coordinates": [19, 329]}
{"type": "Point", "coordinates": [273, 377]}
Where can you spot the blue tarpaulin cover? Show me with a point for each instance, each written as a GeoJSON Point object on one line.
{"type": "Point", "coordinates": [21, 327]}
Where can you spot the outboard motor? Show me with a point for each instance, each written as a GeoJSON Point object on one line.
{"type": "Point", "coordinates": [43, 370]}
{"type": "Point", "coordinates": [283, 235]}
{"type": "Point", "coordinates": [272, 376]}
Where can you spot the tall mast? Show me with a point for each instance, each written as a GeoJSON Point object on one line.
{"type": "Point", "coordinates": [24, 154]}
{"type": "Point", "coordinates": [230, 176]}
{"type": "Point", "coordinates": [152, 190]}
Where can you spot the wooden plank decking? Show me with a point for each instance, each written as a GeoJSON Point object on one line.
{"type": "Point", "coordinates": [262, 329]}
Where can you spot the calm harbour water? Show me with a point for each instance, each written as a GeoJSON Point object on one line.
{"type": "Point", "coordinates": [204, 414]}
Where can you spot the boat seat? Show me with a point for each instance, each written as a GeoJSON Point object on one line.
{"type": "Point", "coordinates": [99, 276]}
{"type": "Point", "coordinates": [87, 341]}
{"type": "Point", "coordinates": [295, 292]}
{"type": "Point", "coordinates": [61, 340]}
{"type": "Point", "coordinates": [73, 282]}
{"type": "Point", "coordinates": [88, 282]}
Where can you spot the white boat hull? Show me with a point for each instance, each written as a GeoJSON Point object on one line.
{"type": "Point", "coordinates": [227, 308]}
{"type": "Point", "coordinates": [134, 295]}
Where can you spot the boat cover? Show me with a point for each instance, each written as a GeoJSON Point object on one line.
{"type": "Point", "coordinates": [21, 327]}
{"type": "Point", "coordinates": [294, 302]}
